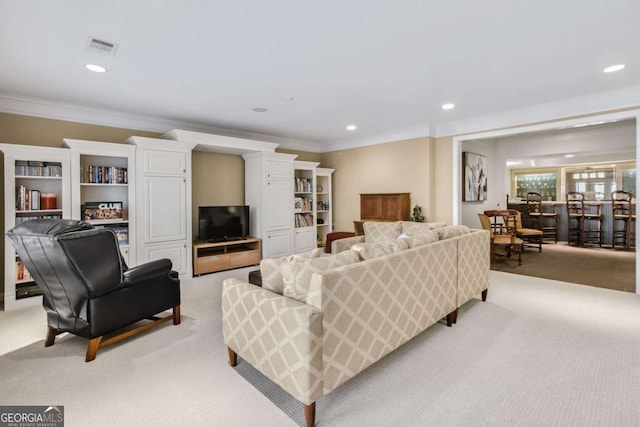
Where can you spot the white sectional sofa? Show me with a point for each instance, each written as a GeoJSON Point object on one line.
{"type": "Point", "coordinates": [320, 320]}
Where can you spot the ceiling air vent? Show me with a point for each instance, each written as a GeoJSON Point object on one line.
{"type": "Point", "coordinates": [102, 46]}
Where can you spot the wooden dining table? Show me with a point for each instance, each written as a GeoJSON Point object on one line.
{"type": "Point", "coordinates": [507, 216]}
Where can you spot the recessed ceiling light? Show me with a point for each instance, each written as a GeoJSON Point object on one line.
{"type": "Point", "coordinates": [352, 127]}
{"type": "Point", "coordinates": [259, 110]}
{"type": "Point", "coordinates": [95, 68]}
{"type": "Point", "coordinates": [448, 106]}
{"type": "Point", "coordinates": [613, 68]}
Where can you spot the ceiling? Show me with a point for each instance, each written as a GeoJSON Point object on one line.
{"type": "Point", "coordinates": [386, 66]}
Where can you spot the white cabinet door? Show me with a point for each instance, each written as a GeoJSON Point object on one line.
{"type": "Point", "coordinates": [304, 239]}
{"type": "Point", "coordinates": [276, 243]}
{"type": "Point", "coordinates": [277, 169]}
{"type": "Point", "coordinates": [164, 162]}
{"type": "Point", "coordinates": [176, 252]}
{"type": "Point", "coordinates": [165, 202]}
{"type": "Point", "coordinates": [279, 203]}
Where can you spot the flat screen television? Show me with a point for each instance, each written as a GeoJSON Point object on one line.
{"type": "Point", "coordinates": [221, 223]}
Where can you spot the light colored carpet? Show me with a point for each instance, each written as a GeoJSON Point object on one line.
{"type": "Point", "coordinates": [537, 353]}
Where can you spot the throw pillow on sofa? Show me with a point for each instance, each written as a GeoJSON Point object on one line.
{"type": "Point", "coordinates": [453, 231]}
{"type": "Point", "coordinates": [374, 250]}
{"type": "Point", "coordinates": [271, 269]}
{"type": "Point", "coordinates": [376, 232]}
{"type": "Point", "coordinates": [418, 228]}
{"type": "Point", "coordinates": [424, 238]}
{"type": "Point", "coordinates": [296, 274]}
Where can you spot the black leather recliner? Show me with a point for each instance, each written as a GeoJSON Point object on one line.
{"type": "Point", "coordinates": [87, 288]}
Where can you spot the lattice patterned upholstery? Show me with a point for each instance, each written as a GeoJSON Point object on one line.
{"type": "Point", "coordinates": [425, 237]}
{"type": "Point", "coordinates": [374, 250]}
{"type": "Point", "coordinates": [418, 228]}
{"type": "Point", "coordinates": [345, 244]}
{"type": "Point", "coordinates": [296, 273]}
{"type": "Point", "coordinates": [473, 264]}
{"type": "Point", "coordinates": [453, 231]}
{"type": "Point", "coordinates": [375, 232]}
{"type": "Point", "coordinates": [271, 269]}
{"type": "Point", "coordinates": [279, 336]}
{"type": "Point", "coordinates": [372, 307]}
{"type": "Point", "coordinates": [353, 315]}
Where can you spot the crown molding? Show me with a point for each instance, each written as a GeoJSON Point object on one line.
{"type": "Point", "coordinates": [569, 108]}
{"type": "Point", "coordinates": [47, 109]}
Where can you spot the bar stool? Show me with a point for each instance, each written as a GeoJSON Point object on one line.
{"type": "Point", "coordinates": [584, 220]}
{"type": "Point", "coordinates": [575, 217]}
{"type": "Point", "coordinates": [622, 218]}
{"type": "Point", "coordinates": [592, 225]}
{"type": "Point", "coordinates": [545, 216]}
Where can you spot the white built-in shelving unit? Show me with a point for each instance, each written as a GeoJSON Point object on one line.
{"type": "Point", "coordinates": [103, 176]}
{"type": "Point", "coordinates": [324, 204]}
{"type": "Point", "coordinates": [41, 175]}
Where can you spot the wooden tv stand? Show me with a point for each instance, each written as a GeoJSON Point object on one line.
{"type": "Point", "coordinates": [212, 257]}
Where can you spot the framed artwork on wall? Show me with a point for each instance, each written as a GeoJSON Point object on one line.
{"type": "Point", "coordinates": [474, 177]}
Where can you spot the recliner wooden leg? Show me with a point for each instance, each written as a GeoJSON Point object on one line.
{"type": "Point", "coordinates": [176, 315]}
{"type": "Point", "coordinates": [310, 414]}
{"type": "Point", "coordinates": [51, 337]}
{"type": "Point", "coordinates": [92, 348]}
{"type": "Point", "coordinates": [233, 357]}
{"type": "Point", "coordinates": [484, 294]}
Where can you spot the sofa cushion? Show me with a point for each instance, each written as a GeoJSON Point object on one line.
{"type": "Point", "coordinates": [453, 231]}
{"type": "Point", "coordinates": [424, 238]}
{"type": "Point", "coordinates": [374, 250]}
{"type": "Point", "coordinates": [296, 274]}
{"type": "Point", "coordinates": [271, 269]}
{"type": "Point", "coordinates": [375, 232]}
{"type": "Point", "coordinates": [417, 228]}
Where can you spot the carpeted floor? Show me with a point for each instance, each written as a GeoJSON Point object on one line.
{"type": "Point", "coordinates": [601, 267]}
{"type": "Point", "coordinates": [536, 353]}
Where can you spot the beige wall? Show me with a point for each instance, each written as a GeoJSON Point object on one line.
{"type": "Point", "coordinates": [443, 190]}
{"type": "Point", "coordinates": [397, 167]}
{"type": "Point", "coordinates": [218, 179]}
{"type": "Point", "coordinates": [305, 156]}
{"type": "Point", "coordinates": [24, 130]}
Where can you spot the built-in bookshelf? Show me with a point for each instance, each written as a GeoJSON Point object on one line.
{"type": "Point", "coordinates": [304, 209]}
{"type": "Point", "coordinates": [324, 204]}
{"type": "Point", "coordinates": [102, 191]}
{"type": "Point", "coordinates": [36, 185]}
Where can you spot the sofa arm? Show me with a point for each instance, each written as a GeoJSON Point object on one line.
{"type": "Point", "coordinates": [473, 265]}
{"type": "Point", "coordinates": [345, 244]}
{"type": "Point", "coordinates": [270, 331]}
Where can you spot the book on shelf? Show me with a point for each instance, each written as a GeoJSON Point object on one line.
{"type": "Point", "coordinates": [97, 174]}
{"type": "Point", "coordinates": [26, 199]}
{"type": "Point", "coordinates": [38, 168]}
{"type": "Point", "coordinates": [302, 204]}
{"type": "Point", "coordinates": [22, 273]}
{"type": "Point", "coordinates": [122, 233]}
{"type": "Point", "coordinates": [303, 220]}
{"type": "Point", "coordinates": [102, 210]}
{"type": "Point", "coordinates": [304, 185]}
